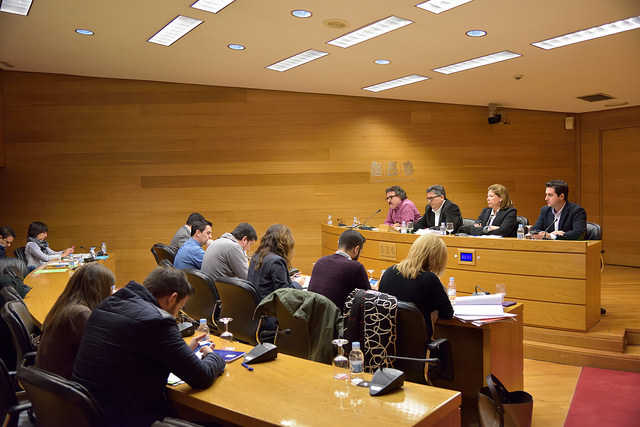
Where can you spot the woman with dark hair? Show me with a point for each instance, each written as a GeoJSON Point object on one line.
{"type": "Point", "coordinates": [269, 267]}
{"type": "Point", "coordinates": [12, 272]}
{"type": "Point", "coordinates": [499, 217]}
{"type": "Point", "coordinates": [37, 249]}
{"type": "Point", "coordinates": [64, 325]}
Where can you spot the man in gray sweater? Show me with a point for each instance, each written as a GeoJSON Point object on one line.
{"type": "Point", "coordinates": [227, 256]}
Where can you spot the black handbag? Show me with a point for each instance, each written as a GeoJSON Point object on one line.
{"type": "Point", "coordinates": [501, 408]}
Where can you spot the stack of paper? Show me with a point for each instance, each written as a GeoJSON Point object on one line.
{"type": "Point", "coordinates": [480, 309]}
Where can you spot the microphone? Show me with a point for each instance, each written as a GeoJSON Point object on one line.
{"type": "Point", "coordinates": [546, 230]}
{"type": "Point", "coordinates": [363, 224]}
{"type": "Point", "coordinates": [416, 359]}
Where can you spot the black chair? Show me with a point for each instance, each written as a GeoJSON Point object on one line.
{"type": "Point", "coordinates": [57, 401]}
{"type": "Point", "coordinates": [9, 293]}
{"type": "Point", "coordinates": [19, 253]}
{"type": "Point", "coordinates": [174, 422]}
{"type": "Point", "coordinates": [205, 304]}
{"type": "Point", "coordinates": [522, 220]}
{"type": "Point", "coordinates": [163, 252]}
{"type": "Point", "coordinates": [594, 232]}
{"type": "Point", "coordinates": [294, 336]}
{"type": "Point", "coordinates": [25, 333]}
{"type": "Point", "coordinates": [10, 404]}
{"type": "Point", "coordinates": [239, 301]}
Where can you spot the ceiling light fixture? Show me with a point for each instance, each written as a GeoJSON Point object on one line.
{"type": "Point", "coordinates": [301, 13]}
{"type": "Point", "coordinates": [370, 31]}
{"type": "Point", "coordinates": [18, 7]}
{"type": "Point", "coordinates": [382, 61]}
{"type": "Point", "coordinates": [175, 29]}
{"type": "Point", "coordinates": [407, 80]}
{"type": "Point", "coordinates": [296, 60]}
{"type": "Point", "coordinates": [84, 32]}
{"type": "Point", "coordinates": [439, 6]}
{"type": "Point", "coordinates": [590, 33]}
{"type": "Point", "coordinates": [477, 62]}
{"type": "Point", "coordinates": [236, 46]}
{"type": "Point", "coordinates": [213, 6]}
{"type": "Point", "coordinates": [476, 33]}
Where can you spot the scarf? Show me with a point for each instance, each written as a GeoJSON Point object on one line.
{"type": "Point", "coordinates": [42, 244]}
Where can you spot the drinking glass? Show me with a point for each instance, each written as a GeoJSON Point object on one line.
{"type": "Point", "coordinates": [501, 288]}
{"type": "Point", "coordinates": [226, 335]}
{"type": "Point", "coordinates": [449, 228]}
{"type": "Point", "coordinates": [410, 227]}
{"type": "Point", "coordinates": [340, 362]}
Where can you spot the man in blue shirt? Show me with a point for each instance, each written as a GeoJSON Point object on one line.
{"type": "Point", "coordinates": [191, 253]}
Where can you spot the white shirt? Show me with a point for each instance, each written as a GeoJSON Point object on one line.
{"type": "Point", "coordinates": [437, 213]}
{"type": "Point", "coordinates": [556, 221]}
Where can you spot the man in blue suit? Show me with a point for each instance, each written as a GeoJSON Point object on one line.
{"type": "Point", "coordinates": [560, 219]}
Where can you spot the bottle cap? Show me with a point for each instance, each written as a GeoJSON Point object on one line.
{"type": "Point", "coordinates": [203, 321]}
{"type": "Point", "coordinates": [355, 345]}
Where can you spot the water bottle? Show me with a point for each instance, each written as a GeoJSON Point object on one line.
{"type": "Point", "coordinates": [355, 221]}
{"type": "Point", "coordinates": [92, 252]}
{"type": "Point", "coordinates": [103, 248]}
{"type": "Point", "coordinates": [203, 329]}
{"type": "Point", "coordinates": [356, 362]}
{"type": "Point", "coordinates": [520, 232]}
{"type": "Point", "coordinates": [443, 228]}
{"type": "Point", "coordinates": [451, 290]}
{"type": "Point", "coordinates": [329, 220]}
{"type": "Point", "coordinates": [403, 227]}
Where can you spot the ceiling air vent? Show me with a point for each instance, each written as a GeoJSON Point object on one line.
{"type": "Point", "coordinates": [596, 97]}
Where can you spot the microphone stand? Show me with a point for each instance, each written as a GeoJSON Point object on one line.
{"type": "Point", "coordinates": [364, 223]}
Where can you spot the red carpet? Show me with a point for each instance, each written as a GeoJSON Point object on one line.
{"type": "Point", "coordinates": [605, 398]}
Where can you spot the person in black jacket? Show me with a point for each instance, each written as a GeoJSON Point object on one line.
{"type": "Point", "coordinates": [439, 209]}
{"type": "Point", "coordinates": [130, 345]}
{"type": "Point", "coordinates": [415, 278]}
{"type": "Point", "coordinates": [499, 218]}
{"type": "Point", "coordinates": [560, 219]}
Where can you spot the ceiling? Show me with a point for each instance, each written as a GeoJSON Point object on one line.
{"type": "Point", "coordinates": [45, 41]}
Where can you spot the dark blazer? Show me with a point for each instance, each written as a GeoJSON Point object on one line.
{"type": "Point", "coordinates": [505, 219]}
{"type": "Point", "coordinates": [573, 221]}
{"type": "Point", "coordinates": [450, 213]}
{"type": "Point", "coordinates": [273, 274]}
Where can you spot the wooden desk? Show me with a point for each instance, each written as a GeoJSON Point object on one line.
{"type": "Point", "coordinates": [558, 280]}
{"type": "Point", "coordinates": [296, 392]}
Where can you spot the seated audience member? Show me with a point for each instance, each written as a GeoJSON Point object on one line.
{"type": "Point", "coordinates": [335, 276]}
{"type": "Point", "coordinates": [130, 345]}
{"type": "Point", "coordinates": [12, 272]}
{"type": "Point", "coordinates": [191, 253]}
{"type": "Point", "coordinates": [269, 267]}
{"type": "Point", "coordinates": [184, 233]}
{"type": "Point", "coordinates": [6, 238]}
{"type": "Point", "coordinates": [37, 249]}
{"type": "Point", "coordinates": [499, 218]}
{"type": "Point", "coordinates": [400, 208]}
{"type": "Point", "coordinates": [227, 256]}
{"type": "Point", "coordinates": [560, 219]}
{"type": "Point", "coordinates": [65, 323]}
{"type": "Point", "coordinates": [439, 210]}
{"type": "Point", "coordinates": [415, 278]}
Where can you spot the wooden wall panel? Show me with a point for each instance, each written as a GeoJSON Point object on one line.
{"type": "Point", "coordinates": [2, 155]}
{"type": "Point", "coordinates": [127, 161]}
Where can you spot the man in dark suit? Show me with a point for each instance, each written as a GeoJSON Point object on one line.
{"type": "Point", "coordinates": [439, 210]}
{"type": "Point", "coordinates": [560, 219]}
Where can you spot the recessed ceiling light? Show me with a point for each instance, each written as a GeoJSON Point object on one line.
{"type": "Point", "coordinates": [439, 6]}
{"type": "Point", "coordinates": [590, 33]}
{"type": "Point", "coordinates": [476, 33]}
{"type": "Point", "coordinates": [84, 32]}
{"type": "Point", "coordinates": [175, 29]}
{"type": "Point", "coordinates": [235, 46]}
{"type": "Point", "coordinates": [407, 80]}
{"type": "Point", "coordinates": [370, 31]}
{"type": "Point", "coordinates": [19, 7]}
{"type": "Point", "coordinates": [382, 61]}
{"type": "Point", "coordinates": [295, 60]}
{"type": "Point", "coordinates": [301, 13]}
{"type": "Point", "coordinates": [477, 62]}
{"type": "Point", "coordinates": [213, 6]}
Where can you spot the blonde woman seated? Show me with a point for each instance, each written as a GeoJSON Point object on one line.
{"type": "Point", "coordinates": [64, 325]}
{"type": "Point", "coordinates": [415, 278]}
{"type": "Point", "coordinates": [499, 217]}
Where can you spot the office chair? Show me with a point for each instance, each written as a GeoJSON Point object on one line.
{"type": "Point", "coordinates": [19, 253]}
{"type": "Point", "coordinates": [174, 422]}
{"type": "Point", "coordinates": [594, 232]}
{"type": "Point", "coordinates": [239, 300]}
{"type": "Point", "coordinates": [205, 304]}
{"type": "Point", "coordinates": [522, 220]}
{"type": "Point", "coordinates": [11, 403]}
{"type": "Point", "coordinates": [9, 293]}
{"type": "Point", "coordinates": [163, 252]}
{"type": "Point", "coordinates": [24, 332]}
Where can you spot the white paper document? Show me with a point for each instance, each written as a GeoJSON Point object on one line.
{"type": "Point", "coordinates": [492, 299]}
{"type": "Point", "coordinates": [477, 310]}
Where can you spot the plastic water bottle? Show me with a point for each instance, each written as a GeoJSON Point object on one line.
{"type": "Point", "coordinates": [329, 220]}
{"type": "Point", "coordinates": [355, 221]}
{"type": "Point", "coordinates": [103, 248]}
{"type": "Point", "coordinates": [356, 363]}
{"type": "Point", "coordinates": [451, 290]}
{"type": "Point", "coordinates": [520, 232]}
{"type": "Point", "coordinates": [443, 228]}
{"type": "Point", "coordinates": [92, 252]}
{"type": "Point", "coordinates": [203, 329]}
{"type": "Point", "coordinates": [403, 227]}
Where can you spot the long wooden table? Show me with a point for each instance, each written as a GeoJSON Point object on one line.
{"type": "Point", "coordinates": [558, 281]}
{"type": "Point", "coordinates": [288, 391]}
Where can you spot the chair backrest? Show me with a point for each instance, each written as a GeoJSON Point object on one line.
{"type": "Point", "coordinates": [239, 300]}
{"type": "Point", "coordinates": [206, 302]}
{"type": "Point", "coordinates": [594, 232]}
{"type": "Point", "coordinates": [22, 326]}
{"type": "Point", "coordinates": [7, 391]}
{"type": "Point", "coordinates": [163, 252]}
{"type": "Point", "coordinates": [522, 220]}
{"type": "Point", "coordinates": [294, 336]}
{"type": "Point", "coordinates": [9, 293]}
{"type": "Point", "coordinates": [468, 221]}
{"type": "Point", "coordinates": [20, 254]}
{"type": "Point", "coordinates": [57, 401]}
{"type": "Point", "coordinates": [411, 341]}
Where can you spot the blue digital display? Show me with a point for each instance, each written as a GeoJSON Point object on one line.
{"type": "Point", "coordinates": [466, 256]}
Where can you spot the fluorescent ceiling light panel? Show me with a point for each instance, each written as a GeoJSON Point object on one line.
{"type": "Point", "coordinates": [590, 33]}
{"type": "Point", "coordinates": [407, 80]}
{"type": "Point", "coordinates": [175, 29]}
{"type": "Point", "coordinates": [19, 7]}
{"type": "Point", "coordinates": [214, 6]}
{"type": "Point", "coordinates": [477, 62]}
{"type": "Point", "coordinates": [370, 31]}
{"type": "Point", "coordinates": [295, 60]}
{"type": "Point", "coordinates": [439, 6]}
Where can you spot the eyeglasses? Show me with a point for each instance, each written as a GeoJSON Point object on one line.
{"type": "Point", "coordinates": [391, 197]}
{"type": "Point", "coordinates": [432, 197]}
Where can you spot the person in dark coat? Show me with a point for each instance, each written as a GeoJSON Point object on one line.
{"type": "Point", "coordinates": [560, 219]}
{"type": "Point", "coordinates": [499, 218]}
{"type": "Point", "coordinates": [439, 210]}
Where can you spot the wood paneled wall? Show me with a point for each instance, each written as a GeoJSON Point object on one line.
{"type": "Point", "coordinates": [126, 161]}
{"type": "Point", "coordinates": [2, 155]}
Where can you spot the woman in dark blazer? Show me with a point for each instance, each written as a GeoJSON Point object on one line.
{"type": "Point", "coordinates": [500, 217]}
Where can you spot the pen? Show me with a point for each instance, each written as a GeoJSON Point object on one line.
{"type": "Point", "coordinates": [249, 368]}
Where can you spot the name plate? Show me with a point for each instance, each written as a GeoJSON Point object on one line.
{"type": "Point", "coordinates": [387, 250]}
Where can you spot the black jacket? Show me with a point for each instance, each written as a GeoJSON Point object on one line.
{"type": "Point", "coordinates": [450, 213]}
{"type": "Point", "coordinates": [573, 221]}
{"type": "Point", "coordinates": [506, 219]}
{"type": "Point", "coordinates": [129, 347]}
{"type": "Point", "coordinates": [273, 274]}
